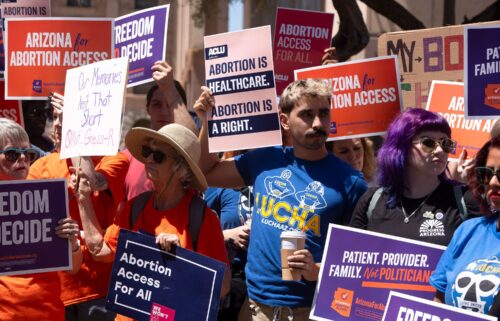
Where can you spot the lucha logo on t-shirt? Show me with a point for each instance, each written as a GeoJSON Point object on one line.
{"type": "Point", "coordinates": [476, 287]}
{"type": "Point", "coordinates": [431, 228]}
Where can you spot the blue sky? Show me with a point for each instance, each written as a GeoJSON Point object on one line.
{"type": "Point", "coordinates": [235, 15]}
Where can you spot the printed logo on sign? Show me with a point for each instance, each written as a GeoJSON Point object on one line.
{"type": "Point", "coordinates": [342, 301]}
{"type": "Point", "coordinates": [161, 313]}
{"type": "Point", "coordinates": [333, 127]}
{"type": "Point", "coordinates": [37, 86]}
{"type": "Point", "coordinates": [216, 52]}
{"type": "Point", "coordinates": [492, 95]}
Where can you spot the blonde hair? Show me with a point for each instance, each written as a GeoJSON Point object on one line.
{"type": "Point", "coordinates": [299, 89]}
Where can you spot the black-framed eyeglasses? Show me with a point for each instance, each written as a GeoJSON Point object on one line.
{"type": "Point", "coordinates": [430, 144]}
{"type": "Point", "coordinates": [13, 154]}
{"type": "Point", "coordinates": [485, 174]}
{"type": "Point", "coordinates": [158, 156]}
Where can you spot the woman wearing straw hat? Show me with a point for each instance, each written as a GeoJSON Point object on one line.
{"type": "Point", "coordinates": [170, 156]}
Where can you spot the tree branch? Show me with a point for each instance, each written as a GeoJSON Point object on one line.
{"type": "Point", "coordinates": [395, 13]}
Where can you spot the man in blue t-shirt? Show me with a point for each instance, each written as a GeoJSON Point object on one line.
{"type": "Point", "coordinates": [302, 187]}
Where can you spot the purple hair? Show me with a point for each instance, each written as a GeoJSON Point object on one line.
{"type": "Point", "coordinates": [393, 155]}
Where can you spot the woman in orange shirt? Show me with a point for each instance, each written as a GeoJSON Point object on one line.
{"type": "Point", "coordinates": [30, 296]}
{"type": "Point", "coordinates": [170, 156]}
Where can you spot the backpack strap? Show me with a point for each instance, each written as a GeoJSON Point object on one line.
{"type": "Point", "coordinates": [373, 202]}
{"type": "Point", "coordinates": [196, 215]}
{"type": "Point", "coordinates": [137, 207]}
{"type": "Point", "coordinates": [459, 198]}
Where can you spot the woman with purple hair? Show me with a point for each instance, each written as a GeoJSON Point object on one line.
{"type": "Point", "coordinates": [415, 199]}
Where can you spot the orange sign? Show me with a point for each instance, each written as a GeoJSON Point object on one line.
{"type": "Point", "coordinates": [38, 51]}
{"type": "Point", "coordinates": [447, 99]}
{"type": "Point", "coordinates": [365, 95]}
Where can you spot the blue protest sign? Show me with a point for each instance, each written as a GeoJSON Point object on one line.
{"type": "Point", "coordinates": [142, 36]}
{"type": "Point", "coordinates": [29, 213]}
{"type": "Point", "coordinates": [148, 283]}
{"type": "Point", "coordinates": [482, 72]}
{"type": "Point", "coordinates": [402, 307]}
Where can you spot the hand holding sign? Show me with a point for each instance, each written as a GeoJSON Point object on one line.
{"type": "Point", "coordinates": [204, 104]}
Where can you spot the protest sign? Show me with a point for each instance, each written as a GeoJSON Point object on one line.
{"type": "Point", "coordinates": [401, 307]}
{"type": "Point", "coordinates": [359, 268]}
{"type": "Point", "coordinates": [20, 8]}
{"type": "Point", "coordinates": [447, 99]}
{"type": "Point", "coordinates": [300, 38]}
{"type": "Point", "coordinates": [25, 8]}
{"type": "Point", "coordinates": [425, 55]}
{"type": "Point", "coordinates": [148, 283]}
{"type": "Point", "coordinates": [365, 95]}
{"type": "Point", "coordinates": [239, 72]}
{"type": "Point", "coordinates": [30, 212]}
{"type": "Point", "coordinates": [40, 50]}
{"type": "Point", "coordinates": [94, 98]}
{"type": "Point", "coordinates": [482, 71]}
{"type": "Point", "coordinates": [10, 109]}
{"type": "Point", "coordinates": [142, 36]}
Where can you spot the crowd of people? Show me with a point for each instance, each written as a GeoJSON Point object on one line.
{"type": "Point", "coordinates": [153, 185]}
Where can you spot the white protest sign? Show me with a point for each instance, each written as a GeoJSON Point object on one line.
{"type": "Point", "coordinates": [93, 103]}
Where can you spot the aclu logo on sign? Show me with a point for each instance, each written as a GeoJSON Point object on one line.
{"type": "Point", "coordinates": [215, 52]}
{"type": "Point", "coordinates": [37, 86]}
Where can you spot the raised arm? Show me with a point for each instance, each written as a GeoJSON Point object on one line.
{"type": "Point", "coordinates": [163, 74]}
{"type": "Point", "coordinates": [220, 173]}
{"type": "Point", "coordinates": [92, 230]}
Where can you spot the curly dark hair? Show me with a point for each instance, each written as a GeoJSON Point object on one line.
{"type": "Point", "coordinates": [480, 161]}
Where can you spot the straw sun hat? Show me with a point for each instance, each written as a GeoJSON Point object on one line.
{"type": "Point", "coordinates": [176, 136]}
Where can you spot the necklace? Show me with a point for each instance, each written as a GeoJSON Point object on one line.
{"type": "Point", "coordinates": [407, 217]}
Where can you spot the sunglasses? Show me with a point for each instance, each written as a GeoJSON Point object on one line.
{"type": "Point", "coordinates": [485, 174]}
{"type": "Point", "coordinates": [158, 156]}
{"type": "Point", "coordinates": [13, 154]}
{"type": "Point", "coordinates": [430, 144]}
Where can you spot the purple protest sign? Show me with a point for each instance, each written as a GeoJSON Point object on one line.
{"type": "Point", "coordinates": [29, 212]}
{"type": "Point", "coordinates": [401, 307]}
{"type": "Point", "coordinates": [142, 36]}
{"type": "Point", "coordinates": [482, 72]}
{"type": "Point", "coordinates": [359, 268]}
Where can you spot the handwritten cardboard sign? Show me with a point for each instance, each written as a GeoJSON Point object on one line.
{"type": "Point", "coordinates": [359, 268]}
{"type": "Point", "coordinates": [148, 283]}
{"type": "Point", "coordinates": [300, 38]}
{"type": "Point", "coordinates": [425, 55]}
{"type": "Point", "coordinates": [447, 99]}
{"type": "Point", "coordinates": [241, 78]}
{"type": "Point", "coordinates": [40, 50]}
{"type": "Point", "coordinates": [94, 98]}
{"type": "Point", "coordinates": [365, 95]}
{"type": "Point", "coordinates": [30, 212]}
{"type": "Point", "coordinates": [142, 36]}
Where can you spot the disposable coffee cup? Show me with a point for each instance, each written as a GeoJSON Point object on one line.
{"type": "Point", "coordinates": [291, 241]}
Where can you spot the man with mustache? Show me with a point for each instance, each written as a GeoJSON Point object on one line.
{"type": "Point", "coordinates": [302, 187]}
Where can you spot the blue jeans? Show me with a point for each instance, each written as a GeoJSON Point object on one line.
{"type": "Point", "coordinates": [93, 310]}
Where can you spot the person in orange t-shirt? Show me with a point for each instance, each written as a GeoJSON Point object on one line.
{"type": "Point", "coordinates": [170, 156]}
{"type": "Point", "coordinates": [84, 293]}
{"type": "Point", "coordinates": [30, 296]}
